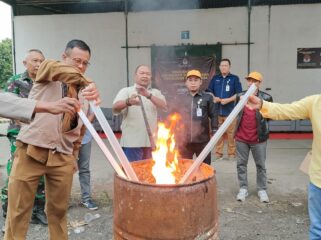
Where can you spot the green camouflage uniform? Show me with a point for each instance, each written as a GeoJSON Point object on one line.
{"type": "Point", "coordinates": [20, 85]}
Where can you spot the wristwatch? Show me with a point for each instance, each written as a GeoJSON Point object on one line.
{"type": "Point", "coordinates": [149, 96]}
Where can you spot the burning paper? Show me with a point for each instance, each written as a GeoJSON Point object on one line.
{"type": "Point", "coordinates": [165, 156]}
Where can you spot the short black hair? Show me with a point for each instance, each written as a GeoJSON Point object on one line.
{"type": "Point", "coordinates": [78, 44]}
{"type": "Point", "coordinates": [141, 65]}
{"type": "Point", "coordinates": [226, 60]}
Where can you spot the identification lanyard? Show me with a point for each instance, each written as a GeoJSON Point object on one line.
{"type": "Point", "coordinates": [227, 88]}
{"type": "Point", "coordinates": [199, 112]}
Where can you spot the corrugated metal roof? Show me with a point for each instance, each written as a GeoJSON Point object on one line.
{"type": "Point", "coordinates": [42, 7]}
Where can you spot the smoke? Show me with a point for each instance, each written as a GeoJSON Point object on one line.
{"type": "Point", "coordinates": [152, 5]}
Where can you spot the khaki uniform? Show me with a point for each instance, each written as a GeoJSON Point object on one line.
{"type": "Point", "coordinates": [231, 147]}
{"type": "Point", "coordinates": [134, 133]}
{"type": "Point", "coordinates": [47, 146]}
{"type": "Point", "coordinates": [23, 183]}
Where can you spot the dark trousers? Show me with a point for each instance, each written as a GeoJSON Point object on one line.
{"type": "Point", "coordinates": [187, 151]}
{"type": "Point", "coordinates": [137, 153]}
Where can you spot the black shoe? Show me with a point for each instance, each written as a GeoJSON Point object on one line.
{"type": "Point", "coordinates": [39, 217]}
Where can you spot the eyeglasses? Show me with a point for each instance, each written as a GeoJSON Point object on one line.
{"type": "Point", "coordinates": [78, 61]}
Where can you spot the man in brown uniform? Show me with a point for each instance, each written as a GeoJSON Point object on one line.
{"type": "Point", "coordinates": [49, 146]}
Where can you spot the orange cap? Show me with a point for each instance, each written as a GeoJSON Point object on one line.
{"type": "Point", "coordinates": [195, 73]}
{"type": "Point", "coordinates": [255, 75]}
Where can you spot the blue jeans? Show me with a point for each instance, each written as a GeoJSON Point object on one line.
{"type": "Point", "coordinates": [84, 171]}
{"type": "Point", "coordinates": [137, 153]}
{"type": "Point", "coordinates": [314, 204]}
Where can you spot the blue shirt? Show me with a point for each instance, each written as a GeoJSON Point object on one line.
{"type": "Point", "coordinates": [225, 87]}
{"type": "Point", "coordinates": [87, 137]}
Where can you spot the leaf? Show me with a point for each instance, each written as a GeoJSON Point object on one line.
{"type": "Point", "coordinates": [6, 70]}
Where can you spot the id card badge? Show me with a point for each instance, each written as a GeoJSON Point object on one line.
{"type": "Point", "coordinates": [199, 112]}
{"type": "Point", "coordinates": [227, 89]}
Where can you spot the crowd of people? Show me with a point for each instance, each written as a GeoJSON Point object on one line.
{"type": "Point", "coordinates": [49, 142]}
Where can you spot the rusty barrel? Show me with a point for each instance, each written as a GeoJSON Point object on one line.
{"type": "Point", "coordinates": [150, 211]}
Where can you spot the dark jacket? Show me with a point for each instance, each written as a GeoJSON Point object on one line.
{"type": "Point", "coordinates": [195, 124]}
{"type": "Point", "coordinates": [261, 122]}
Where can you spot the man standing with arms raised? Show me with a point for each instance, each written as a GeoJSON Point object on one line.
{"type": "Point", "coordinates": [49, 145]}
{"type": "Point", "coordinates": [135, 139]}
{"type": "Point", "coordinates": [225, 86]}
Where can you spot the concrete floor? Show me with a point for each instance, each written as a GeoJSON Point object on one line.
{"type": "Point", "coordinates": [283, 161]}
{"type": "Point", "coordinates": [286, 185]}
{"type": "Point", "coordinates": [279, 219]}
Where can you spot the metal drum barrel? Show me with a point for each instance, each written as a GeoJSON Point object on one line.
{"type": "Point", "coordinates": [163, 212]}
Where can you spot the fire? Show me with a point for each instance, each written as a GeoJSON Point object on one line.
{"type": "Point", "coordinates": [165, 156]}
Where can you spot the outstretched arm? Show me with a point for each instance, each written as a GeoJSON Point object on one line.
{"type": "Point", "coordinates": [64, 105]}
{"type": "Point", "coordinates": [23, 109]}
{"type": "Point", "coordinates": [293, 111]}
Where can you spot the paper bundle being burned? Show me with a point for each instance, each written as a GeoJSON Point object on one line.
{"type": "Point", "coordinates": [130, 174]}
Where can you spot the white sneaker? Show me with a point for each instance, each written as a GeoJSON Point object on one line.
{"type": "Point", "coordinates": [264, 198]}
{"type": "Point", "coordinates": [243, 193]}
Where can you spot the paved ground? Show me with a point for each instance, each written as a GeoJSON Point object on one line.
{"type": "Point", "coordinates": [285, 217]}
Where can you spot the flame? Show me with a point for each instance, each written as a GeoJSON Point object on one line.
{"type": "Point", "coordinates": [165, 156]}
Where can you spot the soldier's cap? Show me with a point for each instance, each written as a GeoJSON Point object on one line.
{"type": "Point", "coordinates": [195, 73]}
{"type": "Point", "coordinates": [255, 75]}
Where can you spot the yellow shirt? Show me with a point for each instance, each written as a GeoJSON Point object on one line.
{"type": "Point", "coordinates": [134, 133]}
{"type": "Point", "coordinates": [306, 108]}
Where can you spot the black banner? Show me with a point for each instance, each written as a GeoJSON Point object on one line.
{"type": "Point", "coordinates": [309, 58]}
{"type": "Point", "coordinates": [171, 63]}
